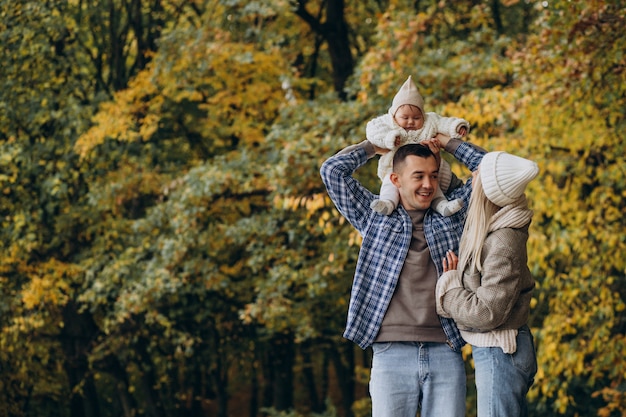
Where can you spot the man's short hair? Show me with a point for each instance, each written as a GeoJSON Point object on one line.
{"type": "Point", "coordinates": [416, 149]}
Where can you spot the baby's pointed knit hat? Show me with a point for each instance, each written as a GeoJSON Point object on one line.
{"type": "Point", "coordinates": [407, 94]}
{"type": "Point", "coordinates": [504, 176]}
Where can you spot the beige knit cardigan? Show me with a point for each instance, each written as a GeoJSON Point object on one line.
{"type": "Point", "coordinates": [490, 305]}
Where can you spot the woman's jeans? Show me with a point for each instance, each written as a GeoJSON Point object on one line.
{"type": "Point", "coordinates": [503, 380]}
{"type": "Point", "coordinates": [408, 375]}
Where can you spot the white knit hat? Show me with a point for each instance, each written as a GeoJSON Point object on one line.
{"type": "Point", "coordinates": [504, 176]}
{"type": "Point", "coordinates": [407, 94]}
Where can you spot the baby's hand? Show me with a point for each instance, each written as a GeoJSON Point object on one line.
{"type": "Point", "coordinates": [463, 131]}
{"type": "Point", "coordinates": [398, 141]}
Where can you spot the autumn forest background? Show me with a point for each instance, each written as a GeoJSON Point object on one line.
{"type": "Point", "coordinates": [167, 247]}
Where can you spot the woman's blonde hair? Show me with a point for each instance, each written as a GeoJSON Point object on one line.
{"type": "Point", "coordinates": [479, 214]}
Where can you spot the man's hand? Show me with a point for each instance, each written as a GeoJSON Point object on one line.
{"type": "Point", "coordinates": [379, 150]}
{"type": "Point", "coordinates": [443, 139]}
{"type": "Point", "coordinates": [433, 144]}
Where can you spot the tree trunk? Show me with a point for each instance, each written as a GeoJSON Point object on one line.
{"type": "Point", "coordinates": [76, 338]}
{"type": "Point", "coordinates": [254, 390]}
{"type": "Point", "coordinates": [147, 381]}
{"type": "Point", "coordinates": [335, 32]}
{"type": "Point", "coordinates": [113, 366]}
{"type": "Point", "coordinates": [278, 373]}
{"type": "Point", "coordinates": [343, 360]}
{"type": "Point", "coordinates": [497, 19]}
{"type": "Point", "coordinates": [197, 387]}
{"type": "Point", "coordinates": [282, 358]}
{"type": "Point", "coordinates": [220, 378]}
{"type": "Point", "coordinates": [317, 406]}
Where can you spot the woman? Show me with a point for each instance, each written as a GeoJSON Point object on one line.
{"type": "Point", "coordinates": [490, 299]}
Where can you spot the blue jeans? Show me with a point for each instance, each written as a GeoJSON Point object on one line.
{"type": "Point", "coordinates": [407, 375]}
{"type": "Point", "coordinates": [503, 380]}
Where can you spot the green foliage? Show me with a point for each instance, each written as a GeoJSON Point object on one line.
{"type": "Point", "coordinates": [472, 58]}
{"type": "Point", "coordinates": [580, 227]}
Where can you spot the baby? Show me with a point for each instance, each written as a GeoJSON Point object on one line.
{"type": "Point", "coordinates": [406, 122]}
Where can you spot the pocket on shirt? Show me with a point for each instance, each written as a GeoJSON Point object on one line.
{"type": "Point", "coordinates": [390, 224]}
{"type": "Point", "coordinates": [385, 227]}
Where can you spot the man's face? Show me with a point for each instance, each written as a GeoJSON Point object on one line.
{"type": "Point", "coordinates": [416, 180]}
{"type": "Point", "coordinates": [409, 117]}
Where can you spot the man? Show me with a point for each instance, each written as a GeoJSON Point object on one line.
{"type": "Point", "coordinates": [417, 360]}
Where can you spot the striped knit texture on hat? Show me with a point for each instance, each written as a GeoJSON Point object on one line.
{"type": "Point", "coordinates": [504, 176]}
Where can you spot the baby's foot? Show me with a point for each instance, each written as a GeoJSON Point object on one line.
{"type": "Point", "coordinates": [447, 208]}
{"type": "Point", "coordinates": [385, 207]}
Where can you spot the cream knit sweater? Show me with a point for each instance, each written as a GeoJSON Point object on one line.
{"type": "Point", "coordinates": [383, 130]}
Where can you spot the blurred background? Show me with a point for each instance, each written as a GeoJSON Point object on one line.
{"type": "Point", "coordinates": [167, 247]}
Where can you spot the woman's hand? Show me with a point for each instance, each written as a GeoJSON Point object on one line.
{"type": "Point", "coordinates": [450, 261]}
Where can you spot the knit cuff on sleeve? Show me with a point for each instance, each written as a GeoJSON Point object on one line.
{"type": "Point", "coordinates": [446, 282]}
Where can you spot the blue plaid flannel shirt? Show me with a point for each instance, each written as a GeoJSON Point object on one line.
{"type": "Point", "coordinates": [386, 239]}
